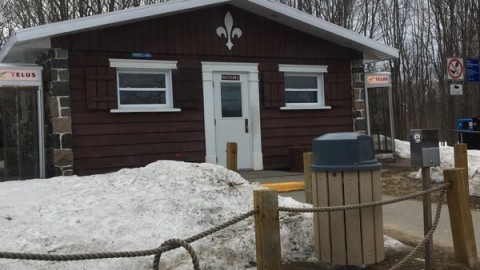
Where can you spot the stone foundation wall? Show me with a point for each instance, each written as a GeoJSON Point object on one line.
{"type": "Point", "coordinates": [358, 85]}
{"type": "Point", "coordinates": [59, 159]}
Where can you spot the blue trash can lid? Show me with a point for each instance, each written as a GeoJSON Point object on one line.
{"type": "Point", "coordinates": [345, 151]}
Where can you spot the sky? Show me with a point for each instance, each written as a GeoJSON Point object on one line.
{"type": "Point", "coordinates": [140, 208]}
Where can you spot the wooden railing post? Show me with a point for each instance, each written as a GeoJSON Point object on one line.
{"type": "Point", "coordinates": [267, 229]}
{"type": "Point", "coordinates": [461, 217]}
{"type": "Point", "coordinates": [461, 156]}
{"type": "Point", "coordinates": [232, 156]}
{"type": "Point", "coordinates": [307, 175]}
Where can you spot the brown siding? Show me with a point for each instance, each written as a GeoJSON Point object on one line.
{"type": "Point", "coordinates": [194, 33]}
{"type": "Point", "coordinates": [104, 141]}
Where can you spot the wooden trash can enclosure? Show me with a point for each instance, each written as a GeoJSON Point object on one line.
{"type": "Point", "coordinates": [345, 172]}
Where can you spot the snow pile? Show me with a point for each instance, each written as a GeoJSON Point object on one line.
{"type": "Point", "coordinates": [138, 209]}
{"type": "Point", "coordinates": [402, 149]}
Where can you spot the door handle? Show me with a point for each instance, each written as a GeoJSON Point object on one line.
{"type": "Point", "coordinates": [246, 125]}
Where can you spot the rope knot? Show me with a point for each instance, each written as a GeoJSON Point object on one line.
{"type": "Point", "coordinates": [172, 244]}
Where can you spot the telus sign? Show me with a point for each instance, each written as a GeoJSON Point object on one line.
{"type": "Point", "coordinates": [19, 75]}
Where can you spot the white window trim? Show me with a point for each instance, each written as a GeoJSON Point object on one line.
{"type": "Point", "coordinates": [308, 70]}
{"type": "Point", "coordinates": [142, 64]}
{"type": "Point", "coordinates": [302, 68]}
{"type": "Point", "coordinates": [147, 66]}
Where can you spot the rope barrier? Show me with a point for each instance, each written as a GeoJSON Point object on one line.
{"type": "Point", "coordinates": [167, 246]}
{"type": "Point", "coordinates": [428, 236]}
{"type": "Point", "coordinates": [364, 205]}
{"type": "Point", "coordinates": [176, 243]}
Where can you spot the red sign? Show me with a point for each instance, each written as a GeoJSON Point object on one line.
{"type": "Point", "coordinates": [455, 68]}
{"type": "Point", "coordinates": [19, 75]}
{"type": "Point", "coordinates": [378, 79]}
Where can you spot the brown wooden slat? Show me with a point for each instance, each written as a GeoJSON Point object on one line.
{"type": "Point", "coordinates": [377, 196]}
{"type": "Point", "coordinates": [101, 88]}
{"type": "Point", "coordinates": [290, 132]}
{"type": "Point", "coordinates": [352, 219]}
{"type": "Point", "coordinates": [142, 149]}
{"type": "Point", "coordinates": [132, 139]}
{"type": "Point", "coordinates": [368, 223]}
{"type": "Point", "coordinates": [102, 98]}
{"type": "Point", "coordinates": [307, 121]}
{"type": "Point", "coordinates": [337, 219]}
{"type": "Point", "coordinates": [321, 194]}
{"type": "Point", "coordinates": [289, 141]}
{"type": "Point", "coordinates": [102, 75]}
{"type": "Point", "coordinates": [77, 83]}
{"type": "Point", "coordinates": [112, 91]}
{"type": "Point", "coordinates": [129, 128]}
{"type": "Point", "coordinates": [131, 161]}
{"type": "Point", "coordinates": [105, 117]}
{"type": "Point", "coordinates": [276, 114]}
{"type": "Point", "coordinates": [91, 87]}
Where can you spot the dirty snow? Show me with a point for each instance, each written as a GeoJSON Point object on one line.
{"type": "Point", "coordinates": [138, 209]}
{"type": "Point", "coordinates": [402, 149]}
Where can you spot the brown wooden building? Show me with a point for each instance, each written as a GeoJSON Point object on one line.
{"type": "Point", "coordinates": [179, 79]}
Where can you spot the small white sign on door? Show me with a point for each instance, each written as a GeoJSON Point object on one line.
{"type": "Point", "coordinates": [456, 89]}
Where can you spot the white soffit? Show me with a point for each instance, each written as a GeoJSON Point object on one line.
{"type": "Point", "coordinates": [25, 44]}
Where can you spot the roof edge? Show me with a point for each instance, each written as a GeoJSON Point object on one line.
{"type": "Point", "coordinates": [328, 26]}
{"type": "Point", "coordinates": [109, 18]}
{"type": "Point", "coordinates": [7, 47]}
{"type": "Point", "coordinates": [342, 36]}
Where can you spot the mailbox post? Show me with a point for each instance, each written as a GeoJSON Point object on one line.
{"type": "Point", "coordinates": [424, 153]}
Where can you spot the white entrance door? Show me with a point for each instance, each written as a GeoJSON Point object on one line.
{"type": "Point", "coordinates": [232, 117]}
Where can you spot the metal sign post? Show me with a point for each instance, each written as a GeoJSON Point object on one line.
{"type": "Point", "coordinates": [427, 216]}
{"type": "Point", "coordinates": [425, 153]}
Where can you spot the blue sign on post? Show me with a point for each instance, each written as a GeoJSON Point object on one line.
{"type": "Point", "coordinates": [473, 71]}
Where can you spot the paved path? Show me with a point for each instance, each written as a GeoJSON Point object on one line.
{"type": "Point", "coordinates": [405, 217]}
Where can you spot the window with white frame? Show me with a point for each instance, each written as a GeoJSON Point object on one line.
{"type": "Point", "coordinates": [304, 87]}
{"type": "Point", "coordinates": [144, 85]}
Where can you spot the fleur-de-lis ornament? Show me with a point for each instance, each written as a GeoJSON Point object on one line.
{"type": "Point", "coordinates": [228, 32]}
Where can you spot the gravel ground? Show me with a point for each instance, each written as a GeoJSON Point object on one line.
{"type": "Point", "coordinates": [397, 182]}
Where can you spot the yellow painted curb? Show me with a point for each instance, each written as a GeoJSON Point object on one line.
{"type": "Point", "coordinates": [285, 186]}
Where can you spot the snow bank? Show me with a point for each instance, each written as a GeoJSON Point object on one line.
{"type": "Point", "coordinates": [138, 209]}
{"type": "Point", "coordinates": [402, 149]}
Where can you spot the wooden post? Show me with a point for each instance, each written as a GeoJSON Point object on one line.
{"type": "Point", "coordinates": [461, 217]}
{"type": "Point", "coordinates": [267, 229]}
{"type": "Point", "coordinates": [307, 175]}
{"type": "Point", "coordinates": [461, 157]}
{"type": "Point", "coordinates": [232, 156]}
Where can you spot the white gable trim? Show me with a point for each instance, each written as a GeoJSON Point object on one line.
{"type": "Point", "coordinates": [272, 10]}
{"type": "Point", "coordinates": [111, 18]}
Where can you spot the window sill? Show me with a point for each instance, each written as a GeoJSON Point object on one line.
{"type": "Point", "coordinates": [141, 110]}
{"type": "Point", "coordinates": [286, 108]}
